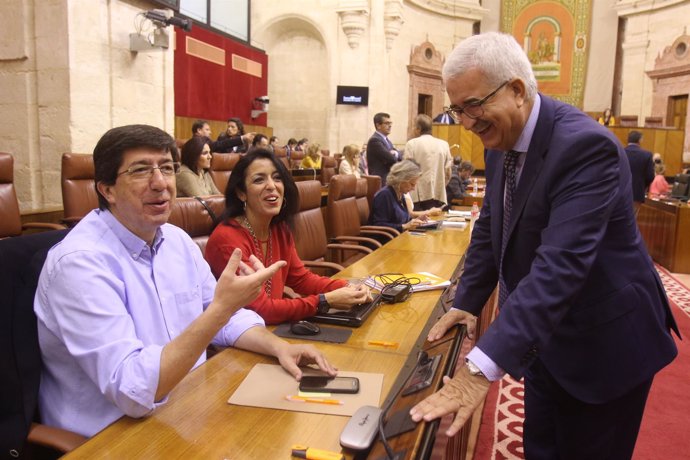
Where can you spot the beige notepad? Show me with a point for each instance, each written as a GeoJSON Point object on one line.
{"type": "Point", "coordinates": [267, 385]}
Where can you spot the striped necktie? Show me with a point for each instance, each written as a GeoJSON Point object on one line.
{"type": "Point", "coordinates": [509, 166]}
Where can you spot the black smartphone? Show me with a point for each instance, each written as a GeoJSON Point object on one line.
{"type": "Point", "coordinates": [316, 384]}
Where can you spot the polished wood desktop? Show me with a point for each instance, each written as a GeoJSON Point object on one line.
{"type": "Point", "coordinates": [198, 422]}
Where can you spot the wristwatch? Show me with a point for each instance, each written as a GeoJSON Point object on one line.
{"type": "Point", "coordinates": [323, 305]}
{"type": "Point", "coordinates": [474, 370]}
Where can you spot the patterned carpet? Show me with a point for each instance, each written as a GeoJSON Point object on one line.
{"type": "Point", "coordinates": [500, 433]}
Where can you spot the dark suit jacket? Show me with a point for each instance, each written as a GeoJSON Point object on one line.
{"type": "Point", "coordinates": [21, 260]}
{"type": "Point", "coordinates": [642, 169]}
{"type": "Point", "coordinates": [584, 296]}
{"type": "Point", "coordinates": [379, 157]}
{"type": "Point", "coordinates": [227, 144]}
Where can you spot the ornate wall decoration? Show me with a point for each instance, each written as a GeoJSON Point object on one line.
{"type": "Point", "coordinates": [555, 35]}
{"type": "Point", "coordinates": [354, 17]}
{"type": "Point", "coordinates": [392, 20]}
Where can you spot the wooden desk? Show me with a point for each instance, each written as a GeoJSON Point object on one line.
{"type": "Point", "coordinates": [665, 227]}
{"type": "Point", "coordinates": [450, 241]}
{"type": "Point", "coordinates": [197, 421]}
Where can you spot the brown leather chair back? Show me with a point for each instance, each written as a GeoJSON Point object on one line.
{"type": "Point", "coordinates": [362, 201]}
{"type": "Point", "coordinates": [373, 186]}
{"type": "Point", "coordinates": [79, 195]}
{"type": "Point", "coordinates": [193, 217]}
{"type": "Point", "coordinates": [10, 220]}
{"type": "Point", "coordinates": [222, 165]}
{"type": "Point", "coordinates": [281, 154]}
{"type": "Point", "coordinates": [308, 222]}
{"type": "Point", "coordinates": [327, 169]}
{"type": "Point", "coordinates": [296, 158]}
{"type": "Point", "coordinates": [343, 215]}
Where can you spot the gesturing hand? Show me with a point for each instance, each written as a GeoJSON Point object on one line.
{"type": "Point", "coordinates": [450, 319]}
{"type": "Point", "coordinates": [460, 395]}
{"type": "Point", "coordinates": [234, 291]}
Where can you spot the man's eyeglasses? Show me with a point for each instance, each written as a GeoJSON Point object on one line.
{"type": "Point", "coordinates": [141, 171]}
{"type": "Point", "coordinates": [473, 109]}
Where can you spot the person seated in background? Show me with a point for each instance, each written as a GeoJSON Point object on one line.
{"type": "Point", "coordinates": [459, 179]}
{"type": "Point", "coordinates": [126, 304]}
{"type": "Point", "coordinates": [234, 129]}
{"type": "Point", "coordinates": [260, 142]}
{"type": "Point", "coordinates": [659, 186]}
{"type": "Point", "coordinates": [607, 118]}
{"type": "Point", "coordinates": [302, 144]}
{"type": "Point", "coordinates": [261, 199]}
{"type": "Point", "coordinates": [389, 208]}
{"type": "Point", "coordinates": [312, 157]}
{"type": "Point", "coordinates": [273, 143]}
{"type": "Point", "coordinates": [290, 146]}
{"type": "Point", "coordinates": [194, 178]}
{"type": "Point", "coordinates": [350, 162]}
{"type": "Point", "coordinates": [363, 164]}
{"type": "Point", "coordinates": [203, 128]}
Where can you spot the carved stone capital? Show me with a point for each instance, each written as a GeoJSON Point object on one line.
{"type": "Point", "coordinates": [392, 20]}
{"type": "Point", "coordinates": [353, 19]}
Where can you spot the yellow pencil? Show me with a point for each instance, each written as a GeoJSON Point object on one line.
{"type": "Point", "coordinates": [334, 402]}
{"type": "Point", "coordinates": [383, 343]}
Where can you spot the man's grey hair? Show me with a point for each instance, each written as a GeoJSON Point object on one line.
{"type": "Point", "coordinates": [404, 171]}
{"type": "Point", "coordinates": [498, 56]}
{"type": "Point", "coordinates": [423, 123]}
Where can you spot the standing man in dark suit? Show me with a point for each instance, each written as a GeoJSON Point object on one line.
{"type": "Point", "coordinates": [381, 154]}
{"type": "Point", "coordinates": [583, 314]}
{"type": "Point", "coordinates": [641, 166]}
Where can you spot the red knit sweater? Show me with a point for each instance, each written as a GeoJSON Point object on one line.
{"type": "Point", "coordinates": [275, 309]}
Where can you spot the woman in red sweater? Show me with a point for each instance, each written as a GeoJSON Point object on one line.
{"type": "Point", "coordinates": [260, 199]}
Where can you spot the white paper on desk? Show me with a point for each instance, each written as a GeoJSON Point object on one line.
{"type": "Point", "coordinates": [266, 385]}
{"type": "Point", "coordinates": [452, 212]}
{"type": "Point", "coordinates": [454, 224]}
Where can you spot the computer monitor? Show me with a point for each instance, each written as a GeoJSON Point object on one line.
{"type": "Point", "coordinates": [352, 95]}
{"type": "Point", "coordinates": [681, 187]}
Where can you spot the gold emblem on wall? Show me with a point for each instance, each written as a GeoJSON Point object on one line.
{"type": "Point", "coordinates": [554, 36]}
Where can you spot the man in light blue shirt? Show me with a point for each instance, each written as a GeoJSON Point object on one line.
{"type": "Point", "coordinates": [126, 304]}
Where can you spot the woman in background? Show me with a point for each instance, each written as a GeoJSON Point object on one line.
{"type": "Point", "coordinates": [350, 162]}
{"type": "Point", "coordinates": [607, 118]}
{"type": "Point", "coordinates": [194, 178]}
{"type": "Point", "coordinates": [261, 198]}
{"type": "Point", "coordinates": [389, 208]}
{"type": "Point", "coordinates": [312, 159]}
{"type": "Point", "coordinates": [659, 186]}
{"type": "Point", "coordinates": [235, 128]}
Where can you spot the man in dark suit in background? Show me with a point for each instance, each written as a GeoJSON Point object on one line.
{"type": "Point", "coordinates": [381, 154]}
{"type": "Point", "coordinates": [583, 314]}
{"type": "Point", "coordinates": [641, 166]}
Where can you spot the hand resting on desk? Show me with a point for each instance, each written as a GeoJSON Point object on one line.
{"type": "Point", "coordinates": [461, 394]}
{"type": "Point", "coordinates": [450, 319]}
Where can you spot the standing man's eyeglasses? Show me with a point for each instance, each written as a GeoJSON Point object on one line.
{"type": "Point", "coordinates": [473, 109]}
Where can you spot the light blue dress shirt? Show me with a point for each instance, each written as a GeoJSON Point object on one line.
{"type": "Point", "coordinates": [107, 303]}
{"type": "Point", "coordinates": [488, 367]}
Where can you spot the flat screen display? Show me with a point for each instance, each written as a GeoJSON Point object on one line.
{"type": "Point", "coordinates": [353, 95]}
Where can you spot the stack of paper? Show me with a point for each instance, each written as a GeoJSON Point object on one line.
{"type": "Point", "coordinates": [422, 281]}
